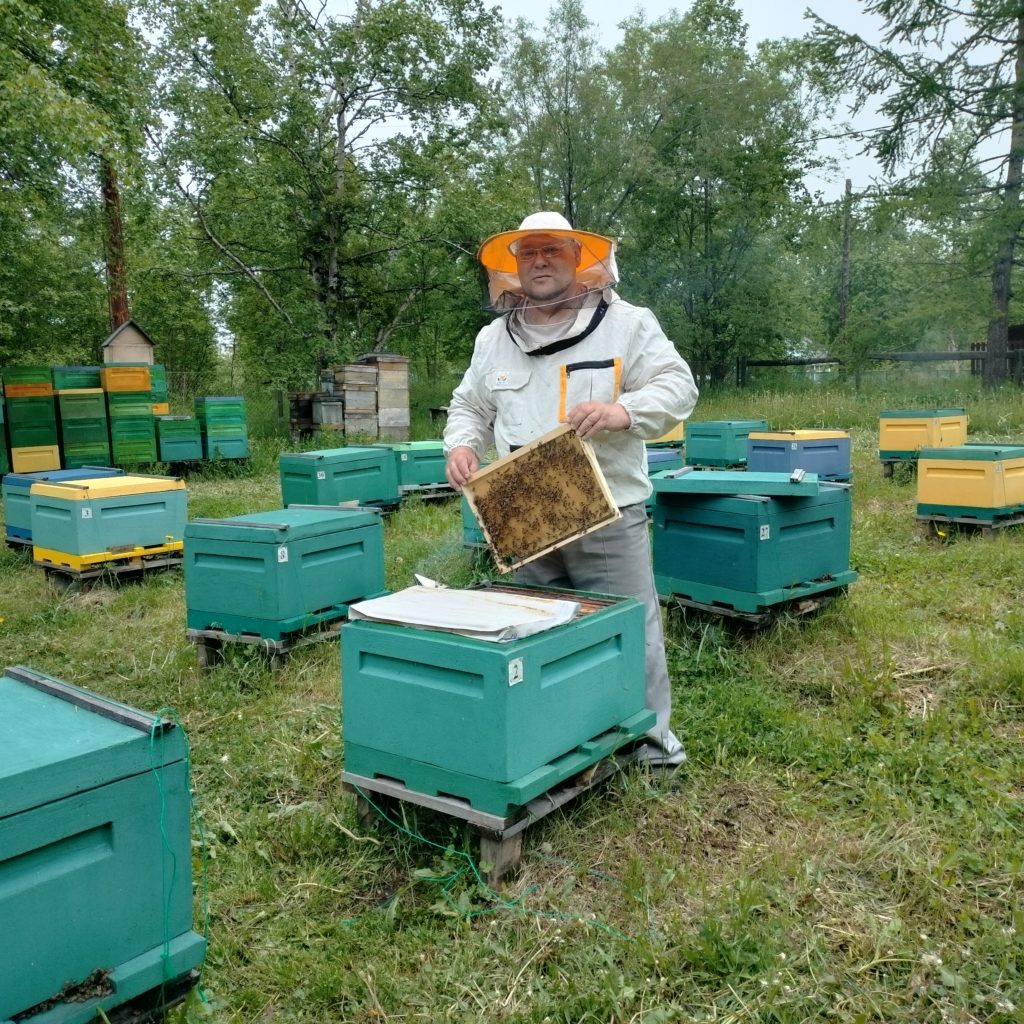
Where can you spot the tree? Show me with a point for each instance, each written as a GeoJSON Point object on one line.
{"type": "Point", "coordinates": [944, 69]}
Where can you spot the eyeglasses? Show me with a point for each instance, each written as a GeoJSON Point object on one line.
{"type": "Point", "coordinates": [549, 252]}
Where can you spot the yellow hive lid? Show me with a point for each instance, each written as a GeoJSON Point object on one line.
{"type": "Point", "coordinates": [106, 487]}
{"type": "Point", "coordinates": [796, 435]}
{"type": "Point", "coordinates": [79, 391]}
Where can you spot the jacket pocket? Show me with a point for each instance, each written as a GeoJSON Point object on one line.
{"type": "Point", "coordinates": [595, 380]}
{"type": "Point", "coordinates": [508, 392]}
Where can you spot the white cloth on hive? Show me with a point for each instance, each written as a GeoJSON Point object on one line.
{"type": "Point", "coordinates": [493, 615]}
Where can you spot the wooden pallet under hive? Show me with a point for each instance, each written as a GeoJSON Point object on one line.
{"type": "Point", "coordinates": [540, 497]}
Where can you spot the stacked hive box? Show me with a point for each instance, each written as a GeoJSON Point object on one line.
{"type": "Point", "coordinates": [334, 476]}
{"type": "Point", "coordinates": [661, 458]}
{"type": "Point", "coordinates": [158, 390]}
{"type": "Point", "coordinates": [178, 439]}
{"type": "Point", "coordinates": [274, 574]}
{"type": "Point", "coordinates": [222, 422]}
{"type": "Point", "coordinates": [359, 395]}
{"type": "Point", "coordinates": [130, 409]}
{"type": "Point", "coordinates": [79, 524]}
{"type": "Point", "coordinates": [823, 452]}
{"type": "Point", "coordinates": [95, 853]}
{"type": "Point", "coordinates": [903, 433]}
{"type": "Point", "coordinates": [31, 419]}
{"type": "Point", "coordinates": [392, 394]}
{"type": "Point", "coordinates": [719, 442]}
{"type": "Point", "coordinates": [85, 430]}
{"type": "Point", "coordinates": [750, 541]}
{"type": "Point", "coordinates": [17, 489]}
{"type": "Point", "coordinates": [971, 481]}
{"type": "Point", "coordinates": [494, 724]}
{"type": "Point", "coordinates": [4, 465]}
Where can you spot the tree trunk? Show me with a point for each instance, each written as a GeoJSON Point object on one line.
{"type": "Point", "coordinates": [113, 238]}
{"type": "Point", "coordinates": [1010, 216]}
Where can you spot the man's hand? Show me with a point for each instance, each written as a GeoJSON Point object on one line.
{"type": "Point", "coordinates": [589, 418]}
{"type": "Point", "coordinates": [461, 465]}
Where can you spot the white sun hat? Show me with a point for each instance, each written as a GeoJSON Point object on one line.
{"type": "Point", "coordinates": [597, 268]}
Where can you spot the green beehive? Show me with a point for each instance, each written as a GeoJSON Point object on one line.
{"type": "Point", "coordinates": [472, 535]}
{"type": "Point", "coordinates": [26, 375]}
{"type": "Point", "coordinates": [133, 440]}
{"type": "Point", "coordinates": [225, 447]}
{"type": "Point", "coordinates": [110, 515]}
{"type": "Point", "coordinates": [82, 404]}
{"type": "Point", "coordinates": [276, 573]}
{"type": "Point", "coordinates": [333, 476]}
{"type": "Point", "coordinates": [66, 378]}
{"type": "Point", "coordinates": [178, 439]}
{"type": "Point", "coordinates": [418, 464]}
{"type": "Point", "coordinates": [95, 851]}
{"type": "Point", "coordinates": [32, 422]}
{"type": "Point", "coordinates": [719, 442]}
{"type": "Point", "coordinates": [130, 405]}
{"type": "Point", "coordinates": [228, 409]}
{"type": "Point", "coordinates": [158, 383]}
{"type": "Point", "coordinates": [749, 541]}
{"type": "Point", "coordinates": [488, 722]}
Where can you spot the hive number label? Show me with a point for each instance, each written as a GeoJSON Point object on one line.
{"type": "Point", "coordinates": [515, 671]}
{"type": "Point", "coordinates": [405, 457]}
{"type": "Point", "coordinates": [793, 445]}
{"type": "Point", "coordinates": [766, 532]}
{"type": "Point", "coordinates": [282, 554]}
{"type": "Point", "coordinates": [321, 474]}
{"type": "Point", "coordinates": [87, 513]}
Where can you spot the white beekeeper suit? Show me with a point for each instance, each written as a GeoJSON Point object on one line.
{"type": "Point", "coordinates": [525, 377]}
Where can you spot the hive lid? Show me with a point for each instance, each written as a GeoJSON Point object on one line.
{"type": "Point", "coordinates": [797, 435]}
{"type": "Point", "coordinates": [707, 481]}
{"type": "Point", "coordinates": [920, 414]}
{"type": "Point", "coordinates": [57, 740]}
{"type": "Point", "coordinates": [413, 446]}
{"type": "Point", "coordinates": [975, 452]}
{"type": "Point", "coordinates": [329, 455]}
{"type": "Point", "coordinates": [284, 525]}
{"type": "Point", "coordinates": [750, 424]}
{"type": "Point", "coordinates": [112, 487]}
{"type": "Point", "coordinates": [26, 480]}
{"type": "Point", "coordinates": [73, 392]}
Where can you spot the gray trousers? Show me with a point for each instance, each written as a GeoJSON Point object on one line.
{"type": "Point", "coordinates": [617, 560]}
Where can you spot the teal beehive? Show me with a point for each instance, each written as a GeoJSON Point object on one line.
{"type": "Point", "coordinates": [178, 439]}
{"type": "Point", "coordinates": [276, 573]}
{"type": "Point", "coordinates": [110, 515]}
{"type": "Point", "coordinates": [418, 464]}
{"type": "Point", "coordinates": [17, 488]}
{"type": "Point", "coordinates": [95, 851]}
{"type": "Point", "coordinates": [333, 476]}
{"type": "Point", "coordinates": [472, 535]}
{"type": "Point", "coordinates": [719, 442]}
{"type": "Point", "coordinates": [486, 721]}
{"type": "Point", "coordinates": [749, 541]}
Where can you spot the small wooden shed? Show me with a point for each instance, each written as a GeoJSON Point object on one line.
{"type": "Point", "coordinates": [128, 343]}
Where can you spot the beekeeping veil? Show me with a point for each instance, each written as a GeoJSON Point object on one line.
{"type": "Point", "coordinates": [596, 270]}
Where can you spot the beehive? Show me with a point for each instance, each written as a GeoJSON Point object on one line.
{"type": "Point", "coordinates": [903, 433]}
{"type": "Point", "coordinates": [823, 452]}
{"type": "Point", "coordinates": [223, 425]}
{"type": "Point", "coordinates": [749, 541]}
{"type": "Point", "coordinates": [116, 377]}
{"type": "Point", "coordinates": [76, 378]}
{"type": "Point", "coordinates": [95, 855]}
{"type": "Point", "coordinates": [34, 458]}
{"type": "Point", "coordinates": [486, 721]}
{"type": "Point", "coordinates": [83, 522]}
{"type": "Point", "coordinates": [178, 439]}
{"type": "Point", "coordinates": [32, 422]}
{"type": "Point", "coordinates": [719, 442]}
{"type": "Point", "coordinates": [334, 476]}
{"type": "Point", "coordinates": [675, 436]}
{"type": "Point", "coordinates": [17, 497]}
{"type": "Point", "coordinates": [545, 494]}
{"type": "Point", "coordinates": [472, 535]}
{"type": "Point", "coordinates": [133, 440]}
{"type": "Point", "coordinates": [275, 573]}
{"type": "Point", "coordinates": [982, 481]}
{"type": "Point", "coordinates": [418, 464]}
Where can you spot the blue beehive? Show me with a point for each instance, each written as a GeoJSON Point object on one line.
{"type": "Point", "coordinates": [825, 453]}
{"type": "Point", "coordinates": [748, 541]}
{"type": "Point", "coordinates": [17, 500]}
{"type": "Point", "coordinates": [334, 476]}
{"type": "Point", "coordinates": [719, 442]}
{"type": "Point", "coordinates": [95, 851]}
{"type": "Point", "coordinates": [275, 573]}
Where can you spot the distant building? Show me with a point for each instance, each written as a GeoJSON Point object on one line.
{"type": "Point", "coordinates": [129, 343]}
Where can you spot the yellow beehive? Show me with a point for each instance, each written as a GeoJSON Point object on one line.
{"type": "Point", "coordinates": [161, 409]}
{"type": "Point", "coordinates": [35, 458]}
{"type": "Point", "coordinates": [125, 378]}
{"type": "Point", "coordinates": [901, 433]}
{"type": "Point", "coordinates": [970, 477]}
{"type": "Point", "coordinates": [676, 434]}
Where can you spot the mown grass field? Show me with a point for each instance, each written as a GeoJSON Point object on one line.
{"type": "Point", "coordinates": [845, 843]}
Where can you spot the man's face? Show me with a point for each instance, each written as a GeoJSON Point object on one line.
{"type": "Point", "coordinates": [547, 267]}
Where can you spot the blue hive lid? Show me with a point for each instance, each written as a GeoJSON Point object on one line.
{"type": "Point", "coordinates": [24, 481]}
{"type": "Point", "coordinates": [57, 740]}
{"type": "Point", "coordinates": [282, 526]}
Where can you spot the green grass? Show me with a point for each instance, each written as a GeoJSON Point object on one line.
{"type": "Point", "coordinates": [844, 845]}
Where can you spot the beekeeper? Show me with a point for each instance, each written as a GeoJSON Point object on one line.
{"type": "Point", "coordinates": [567, 349]}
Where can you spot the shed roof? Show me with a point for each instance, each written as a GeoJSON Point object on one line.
{"type": "Point", "coordinates": [118, 330]}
